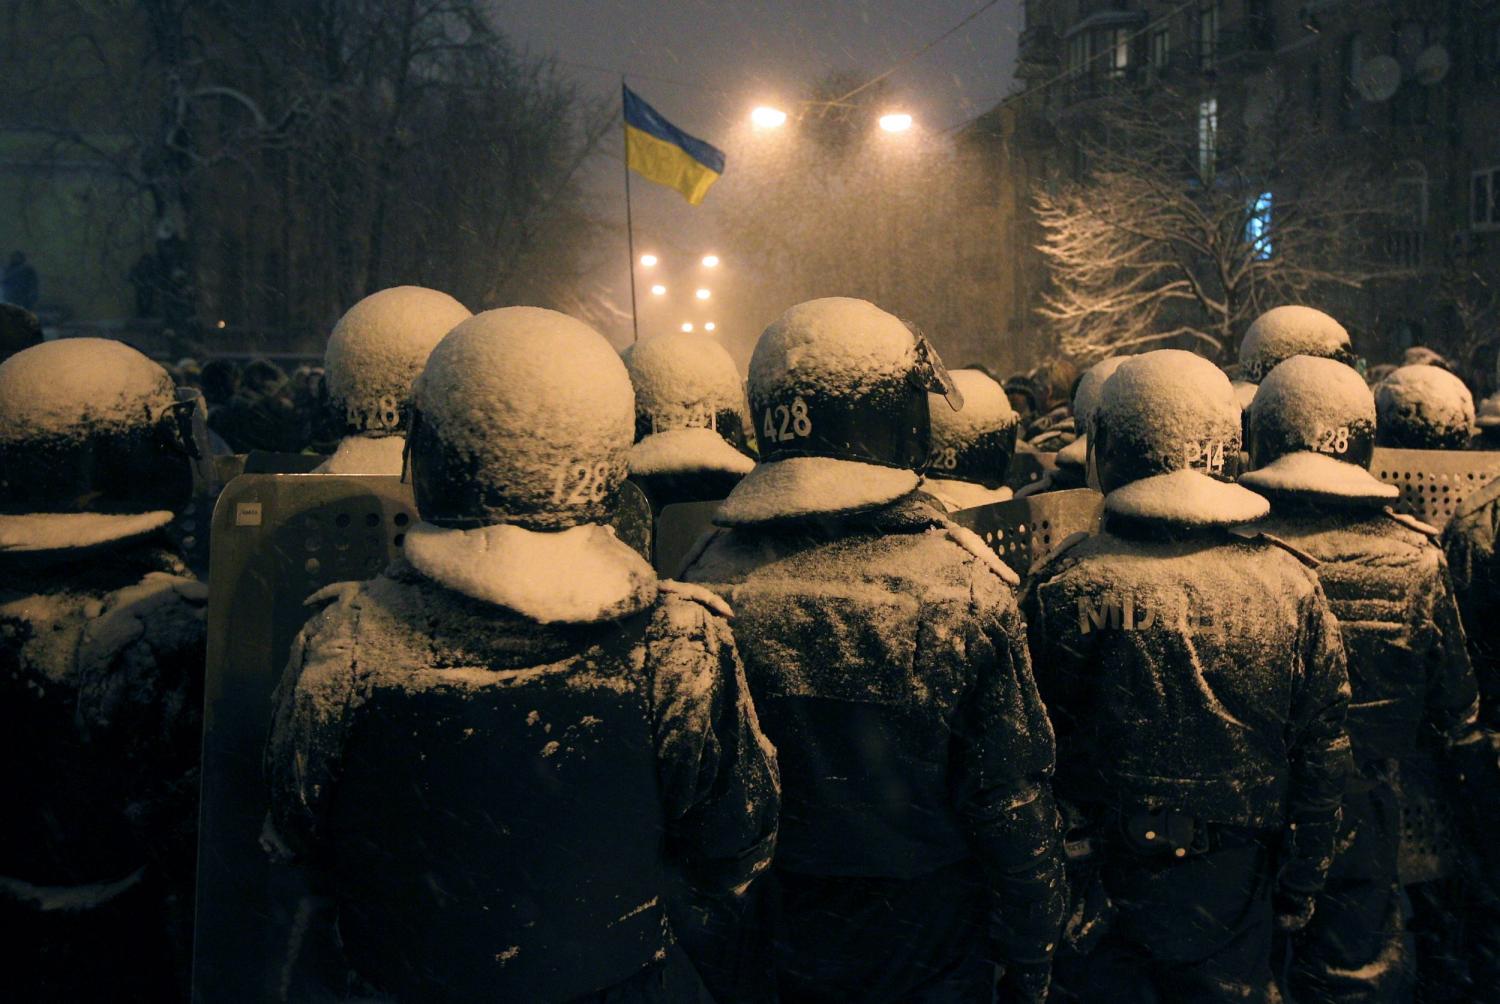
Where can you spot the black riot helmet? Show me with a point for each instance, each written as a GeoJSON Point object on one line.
{"type": "Point", "coordinates": [689, 406]}
{"type": "Point", "coordinates": [1283, 332]}
{"type": "Point", "coordinates": [974, 445]}
{"type": "Point", "coordinates": [1312, 434]}
{"type": "Point", "coordinates": [838, 402]}
{"type": "Point", "coordinates": [90, 425]}
{"type": "Point", "coordinates": [1424, 408]}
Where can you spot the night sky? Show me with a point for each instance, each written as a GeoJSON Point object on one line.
{"type": "Point", "coordinates": [735, 55]}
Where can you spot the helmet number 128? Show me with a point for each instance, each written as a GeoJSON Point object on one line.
{"type": "Point", "coordinates": [783, 424]}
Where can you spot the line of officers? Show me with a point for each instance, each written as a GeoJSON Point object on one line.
{"type": "Point", "coordinates": [847, 756]}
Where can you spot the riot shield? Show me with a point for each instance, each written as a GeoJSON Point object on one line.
{"type": "Point", "coordinates": [1024, 531]}
{"type": "Point", "coordinates": [1434, 483]}
{"type": "Point", "coordinates": [276, 539]}
{"type": "Point", "coordinates": [677, 529]}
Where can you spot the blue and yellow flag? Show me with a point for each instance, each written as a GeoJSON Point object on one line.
{"type": "Point", "coordinates": [659, 151]}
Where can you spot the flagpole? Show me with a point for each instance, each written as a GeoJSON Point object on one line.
{"type": "Point", "coordinates": [635, 324]}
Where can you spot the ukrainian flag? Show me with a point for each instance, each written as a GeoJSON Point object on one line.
{"type": "Point", "coordinates": [659, 151]}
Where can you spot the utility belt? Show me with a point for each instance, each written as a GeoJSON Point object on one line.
{"type": "Point", "coordinates": [1158, 833]}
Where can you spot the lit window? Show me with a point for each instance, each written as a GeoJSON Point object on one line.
{"type": "Point", "coordinates": [1117, 48]}
{"type": "Point", "coordinates": [1208, 137]}
{"type": "Point", "coordinates": [1258, 226]}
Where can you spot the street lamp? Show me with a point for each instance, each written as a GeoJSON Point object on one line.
{"type": "Point", "coordinates": [658, 289]}
{"type": "Point", "coordinates": [702, 294]}
{"type": "Point", "coordinates": [765, 117]}
{"type": "Point", "coordinates": [687, 325]}
{"type": "Point", "coordinates": [709, 325]}
{"type": "Point", "coordinates": [710, 261]}
{"type": "Point", "coordinates": [647, 260]}
{"type": "Point", "coordinates": [895, 122]}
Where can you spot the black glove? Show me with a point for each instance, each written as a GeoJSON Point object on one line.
{"type": "Point", "coordinates": [1293, 912]}
{"type": "Point", "coordinates": [1023, 984]}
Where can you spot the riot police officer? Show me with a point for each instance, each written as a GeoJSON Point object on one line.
{"type": "Point", "coordinates": [1197, 686]}
{"type": "Point", "coordinates": [504, 753]}
{"type": "Point", "coordinates": [375, 353]}
{"type": "Point", "coordinates": [888, 663]}
{"type": "Point", "coordinates": [689, 419]}
{"type": "Point", "coordinates": [1312, 435]}
{"type": "Point", "coordinates": [971, 447]}
{"type": "Point", "coordinates": [101, 663]}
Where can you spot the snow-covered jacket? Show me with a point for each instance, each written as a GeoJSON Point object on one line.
{"type": "Point", "coordinates": [1469, 540]}
{"type": "Point", "coordinates": [495, 803]}
{"type": "Point", "coordinates": [888, 664]}
{"type": "Point", "coordinates": [1387, 583]}
{"type": "Point", "coordinates": [1200, 673]}
{"type": "Point", "coordinates": [101, 691]}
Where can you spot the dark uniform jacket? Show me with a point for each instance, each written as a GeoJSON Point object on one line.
{"type": "Point", "coordinates": [1469, 540]}
{"type": "Point", "coordinates": [1388, 586]}
{"type": "Point", "coordinates": [888, 664]}
{"type": "Point", "coordinates": [1202, 675]}
{"type": "Point", "coordinates": [101, 668]}
{"type": "Point", "coordinates": [495, 803]}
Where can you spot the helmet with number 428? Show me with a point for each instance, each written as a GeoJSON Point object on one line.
{"type": "Point", "coordinates": [838, 401]}
{"type": "Point", "coordinates": [1166, 443]}
{"type": "Point", "coordinates": [376, 351]}
{"type": "Point", "coordinates": [1312, 435]}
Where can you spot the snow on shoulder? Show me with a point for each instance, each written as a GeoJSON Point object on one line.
{"type": "Point", "coordinates": [798, 487]}
{"type": "Point", "coordinates": [1283, 332]}
{"type": "Point", "coordinates": [61, 386]}
{"type": "Point", "coordinates": [59, 531]}
{"type": "Point", "coordinates": [836, 345]}
{"type": "Point", "coordinates": [679, 451]}
{"type": "Point", "coordinates": [1319, 475]}
{"type": "Point", "coordinates": [581, 575]}
{"type": "Point", "coordinates": [1186, 498]}
{"type": "Point", "coordinates": [365, 455]}
{"type": "Point", "coordinates": [379, 346]}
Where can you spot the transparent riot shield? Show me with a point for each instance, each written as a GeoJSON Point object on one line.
{"type": "Point", "coordinates": [276, 539]}
{"type": "Point", "coordinates": [678, 528]}
{"type": "Point", "coordinates": [1024, 531]}
{"type": "Point", "coordinates": [1434, 483]}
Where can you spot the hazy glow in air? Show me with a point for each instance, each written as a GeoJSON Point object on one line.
{"type": "Point", "coordinates": [709, 326]}
{"type": "Point", "coordinates": [895, 122]}
{"type": "Point", "coordinates": [658, 289]}
{"type": "Point", "coordinates": [710, 261]}
{"type": "Point", "coordinates": [703, 294]}
{"type": "Point", "coordinates": [687, 325]}
{"type": "Point", "coordinates": [766, 117]}
{"type": "Point", "coordinates": [648, 260]}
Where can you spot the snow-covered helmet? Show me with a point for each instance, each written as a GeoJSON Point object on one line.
{"type": "Point", "coordinates": [973, 446]}
{"type": "Point", "coordinates": [838, 398]}
{"type": "Point", "coordinates": [689, 406]}
{"type": "Point", "coordinates": [1283, 332]}
{"type": "Point", "coordinates": [1085, 404]}
{"type": "Point", "coordinates": [89, 425]}
{"type": "Point", "coordinates": [1423, 408]}
{"type": "Point", "coordinates": [522, 416]}
{"type": "Point", "coordinates": [378, 348]}
{"type": "Point", "coordinates": [1166, 442]}
{"type": "Point", "coordinates": [1312, 434]}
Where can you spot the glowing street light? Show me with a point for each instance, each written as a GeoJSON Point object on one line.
{"type": "Point", "coordinates": [895, 122]}
{"type": "Point", "coordinates": [766, 117]}
{"type": "Point", "coordinates": [710, 261]}
{"type": "Point", "coordinates": [703, 294]}
{"type": "Point", "coordinates": [709, 326]}
{"type": "Point", "coordinates": [658, 289]}
{"type": "Point", "coordinates": [687, 325]}
{"type": "Point", "coordinates": [647, 260]}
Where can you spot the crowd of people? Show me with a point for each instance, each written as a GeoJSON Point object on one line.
{"type": "Point", "coordinates": [847, 753]}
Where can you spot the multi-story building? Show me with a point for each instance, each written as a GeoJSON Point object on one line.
{"type": "Point", "coordinates": [1411, 85]}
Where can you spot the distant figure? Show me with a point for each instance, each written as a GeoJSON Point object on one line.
{"type": "Point", "coordinates": [19, 283]}
{"type": "Point", "coordinates": [19, 329]}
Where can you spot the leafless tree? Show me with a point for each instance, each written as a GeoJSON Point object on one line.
{"type": "Point", "coordinates": [1184, 227]}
